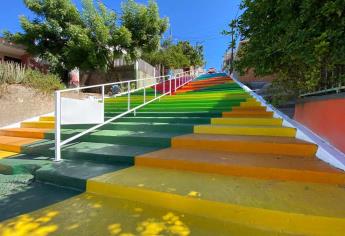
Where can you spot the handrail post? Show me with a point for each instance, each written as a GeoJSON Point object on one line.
{"type": "Point", "coordinates": [155, 88]}
{"type": "Point", "coordinates": [144, 92]}
{"type": "Point", "coordinates": [129, 95]}
{"type": "Point", "coordinates": [170, 84]}
{"type": "Point", "coordinates": [175, 83]}
{"type": "Point", "coordinates": [57, 126]}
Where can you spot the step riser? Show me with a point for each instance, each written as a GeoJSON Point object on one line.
{"type": "Point", "coordinates": [236, 115]}
{"type": "Point", "coordinates": [247, 147]}
{"type": "Point", "coordinates": [142, 127]}
{"type": "Point", "coordinates": [10, 148]}
{"type": "Point", "coordinates": [242, 171]}
{"type": "Point", "coordinates": [173, 115]}
{"type": "Point", "coordinates": [268, 219]}
{"type": "Point", "coordinates": [122, 140]}
{"type": "Point", "coordinates": [260, 121]}
{"type": "Point", "coordinates": [180, 104]}
{"type": "Point", "coordinates": [22, 134]}
{"type": "Point", "coordinates": [273, 132]}
{"type": "Point", "coordinates": [173, 121]}
{"type": "Point", "coordinates": [37, 125]}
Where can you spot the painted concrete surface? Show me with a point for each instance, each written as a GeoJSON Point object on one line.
{"type": "Point", "coordinates": [209, 181]}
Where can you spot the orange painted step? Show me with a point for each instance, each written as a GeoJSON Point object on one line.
{"type": "Point", "coordinates": [14, 144]}
{"type": "Point", "coordinates": [250, 113]}
{"type": "Point", "coordinates": [24, 132]}
{"type": "Point", "coordinates": [246, 144]}
{"type": "Point", "coordinates": [244, 165]}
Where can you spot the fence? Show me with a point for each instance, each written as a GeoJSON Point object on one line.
{"type": "Point", "coordinates": [162, 85]}
{"type": "Point", "coordinates": [332, 81]}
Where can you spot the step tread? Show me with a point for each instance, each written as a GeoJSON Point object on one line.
{"type": "Point", "coordinates": [220, 137]}
{"type": "Point", "coordinates": [111, 216]}
{"type": "Point", "coordinates": [33, 130]}
{"type": "Point", "coordinates": [5, 154]}
{"type": "Point", "coordinates": [305, 198]}
{"type": "Point", "coordinates": [18, 141]}
{"type": "Point", "coordinates": [245, 160]}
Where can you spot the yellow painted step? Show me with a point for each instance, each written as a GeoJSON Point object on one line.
{"type": "Point", "coordinates": [14, 144]}
{"type": "Point", "coordinates": [38, 124]}
{"type": "Point", "coordinates": [285, 207]}
{"type": "Point", "coordinates": [247, 121]}
{"type": "Point", "coordinates": [91, 214]}
{"type": "Point", "coordinates": [250, 103]}
{"type": "Point", "coordinates": [245, 113]}
{"type": "Point", "coordinates": [5, 154]}
{"type": "Point", "coordinates": [246, 144]}
{"type": "Point", "coordinates": [24, 132]}
{"type": "Point", "coordinates": [47, 118]}
{"type": "Point", "coordinates": [275, 131]}
{"type": "Point", "coordinates": [275, 167]}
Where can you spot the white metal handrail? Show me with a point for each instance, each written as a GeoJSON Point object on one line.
{"type": "Point", "coordinates": [179, 79]}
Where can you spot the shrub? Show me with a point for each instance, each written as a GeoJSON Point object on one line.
{"type": "Point", "coordinates": [11, 73]}
{"type": "Point", "coordinates": [46, 83]}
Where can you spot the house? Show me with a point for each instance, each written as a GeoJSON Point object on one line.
{"type": "Point", "coordinates": [11, 52]}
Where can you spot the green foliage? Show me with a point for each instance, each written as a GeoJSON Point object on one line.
{"type": "Point", "coordinates": [45, 83]}
{"type": "Point", "coordinates": [14, 73]}
{"type": "Point", "coordinates": [301, 41]}
{"type": "Point", "coordinates": [91, 38]}
{"type": "Point", "coordinates": [11, 73]}
{"type": "Point", "coordinates": [179, 55]}
{"type": "Point", "coordinates": [145, 25]}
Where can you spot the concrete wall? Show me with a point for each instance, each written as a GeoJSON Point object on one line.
{"type": "Point", "coordinates": [325, 116]}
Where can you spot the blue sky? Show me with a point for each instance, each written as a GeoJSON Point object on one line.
{"type": "Point", "coordinates": [193, 20]}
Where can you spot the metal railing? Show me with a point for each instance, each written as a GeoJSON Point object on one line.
{"type": "Point", "coordinates": [179, 80]}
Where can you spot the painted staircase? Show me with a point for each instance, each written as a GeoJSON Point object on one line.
{"type": "Point", "coordinates": [209, 160]}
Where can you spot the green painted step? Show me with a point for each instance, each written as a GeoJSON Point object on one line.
{"type": "Point", "coordinates": [73, 174]}
{"type": "Point", "coordinates": [123, 137]}
{"type": "Point", "coordinates": [142, 126]}
{"type": "Point", "coordinates": [104, 153]}
{"type": "Point", "coordinates": [168, 114]}
{"type": "Point", "coordinates": [186, 103]}
{"type": "Point", "coordinates": [173, 120]}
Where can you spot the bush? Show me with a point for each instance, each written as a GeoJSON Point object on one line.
{"type": "Point", "coordinates": [11, 73]}
{"type": "Point", "coordinates": [46, 83]}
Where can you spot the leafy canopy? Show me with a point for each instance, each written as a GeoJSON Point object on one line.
{"type": "Point", "coordinates": [299, 40]}
{"type": "Point", "coordinates": [179, 55]}
{"type": "Point", "coordinates": [91, 38]}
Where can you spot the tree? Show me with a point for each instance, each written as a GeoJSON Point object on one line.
{"type": "Point", "coordinates": [92, 38]}
{"type": "Point", "coordinates": [174, 56]}
{"type": "Point", "coordinates": [301, 41]}
{"type": "Point", "coordinates": [234, 36]}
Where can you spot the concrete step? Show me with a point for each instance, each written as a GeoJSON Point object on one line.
{"type": "Point", "coordinates": [14, 144]}
{"type": "Point", "coordinates": [257, 203]}
{"type": "Point", "coordinates": [154, 115]}
{"type": "Point", "coordinates": [38, 124]}
{"type": "Point", "coordinates": [24, 132]}
{"type": "Point", "coordinates": [276, 167]}
{"type": "Point", "coordinates": [6, 154]}
{"type": "Point", "coordinates": [246, 144]}
{"type": "Point", "coordinates": [111, 216]}
{"type": "Point", "coordinates": [252, 113]}
{"type": "Point", "coordinates": [252, 130]}
{"type": "Point", "coordinates": [247, 121]}
{"type": "Point", "coordinates": [47, 118]}
{"type": "Point", "coordinates": [172, 120]}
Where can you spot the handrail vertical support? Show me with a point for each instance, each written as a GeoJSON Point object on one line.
{"type": "Point", "coordinates": [129, 95]}
{"type": "Point", "coordinates": [170, 85]}
{"type": "Point", "coordinates": [57, 126]}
